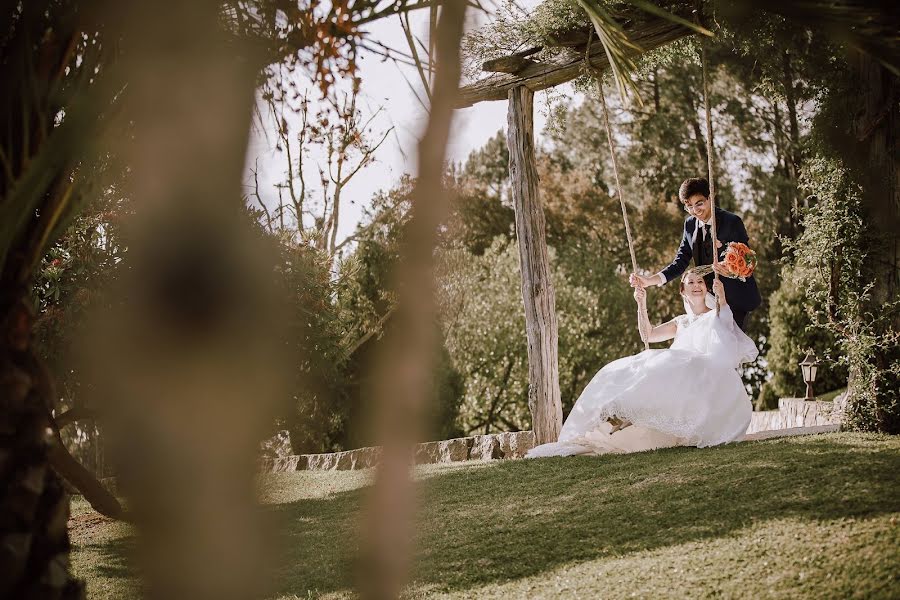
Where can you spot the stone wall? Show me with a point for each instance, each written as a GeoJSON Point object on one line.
{"type": "Point", "coordinates": [797, 412]}
{"type": "Point", "coordinates": [480, 447]}
{"type": "Point", "coordinates": [791, 413]}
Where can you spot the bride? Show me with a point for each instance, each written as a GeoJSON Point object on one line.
{"type": "Point", "coordinates": [690, 394]}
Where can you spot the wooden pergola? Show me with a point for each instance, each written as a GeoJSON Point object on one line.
{"type": "Point", "coordinates": [516, 78]}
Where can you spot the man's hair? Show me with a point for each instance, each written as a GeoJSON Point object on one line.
{"type": "Point", "coordinates": [693, 186]}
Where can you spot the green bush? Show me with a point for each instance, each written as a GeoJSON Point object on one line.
{"type": "Point", "coordinates": [792, 334]}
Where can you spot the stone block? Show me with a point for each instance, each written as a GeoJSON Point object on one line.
{"type": "Point", "coordinates": [454, 450]}
{"type": "Point", "coordinates": [284, 464]}
{"type": "Point", "coordinates": [365, 458]}
{"type": "Point", "coordinates": [514, 444]}
{"type": "Point", "coordinates": [485, 447]}
{"type": "Point", "coordinates": [321, 462]}
{"type": "Point", "coordinates": [428, 453]}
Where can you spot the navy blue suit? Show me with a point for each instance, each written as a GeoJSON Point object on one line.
{"type": "Point", "coordinates": [743, 296]}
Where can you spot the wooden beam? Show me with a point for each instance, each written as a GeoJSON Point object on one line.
{"type": "Point", "coordinates": [649, 35]}
{"type": "Point", "coordinates": [538, 294]}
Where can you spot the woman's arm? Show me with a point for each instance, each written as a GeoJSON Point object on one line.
{"type": "Point", "coordinates": [660, 333]}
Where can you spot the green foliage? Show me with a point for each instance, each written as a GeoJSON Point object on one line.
{"type": "Point", "coordinates": [314, 352]}
{"type": "Point", "coordinates": [483, 321]}
{"type": "Point", "coordinates": [793, 333]}
{"type": "Point", "coordinates": [365, 298]}
{"type": "Point", "coordinates": [84, 260]}
{"type": "Point", "coordinates": [830, 256]}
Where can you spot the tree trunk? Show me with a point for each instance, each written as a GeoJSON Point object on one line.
{"type": "Point", "coordinates": [873, 151]}
{"type": "Point", "coordinates": [790, 96]}
{"type": "Point", "coordinates": [405, 363]}
{"type": "Point", "coordinates": [793, 158]}
{"type": "Point", "coordinates": [699, 137]}
{"type": "Point", "coordinates": [68, 467]}
{"type": "Point", "coordinates": [537, 288]}
{"type": "Point", "coordinates": [34, 539]}
{"type": "Point", "coordinates": [878, 130]}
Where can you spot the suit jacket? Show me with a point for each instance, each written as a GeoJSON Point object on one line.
{"type": "Point", "coordinates": [741, 295]}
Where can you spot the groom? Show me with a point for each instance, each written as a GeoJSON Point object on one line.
{"type": "Point", "coordinates": [696, 242]}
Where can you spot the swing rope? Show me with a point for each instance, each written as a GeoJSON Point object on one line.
{"type": "Point", "coordinates": [709, 161]}
{"type": "Point", "coordinates": [642, 304]}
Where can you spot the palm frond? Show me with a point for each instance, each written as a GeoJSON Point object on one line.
{"type": "Point", "coordinates": [620, 51]}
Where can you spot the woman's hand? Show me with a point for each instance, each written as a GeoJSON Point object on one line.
{"type": "Point", "coordinates": [640, 294]}
{"type": "Point", "coordinates": [719, 291]}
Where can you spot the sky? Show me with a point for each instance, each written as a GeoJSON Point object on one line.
{"type": "Point", "coordinates": [384, 85]}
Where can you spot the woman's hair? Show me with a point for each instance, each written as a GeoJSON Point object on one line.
{"type": "Point", "coordinates": [692, 187]}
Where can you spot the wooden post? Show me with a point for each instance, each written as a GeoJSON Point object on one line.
{"type": "Point", "coordinates": [537, 288]}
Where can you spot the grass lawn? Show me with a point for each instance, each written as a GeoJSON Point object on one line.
{"type": "Point", "coordinates": [813, 517]}
{"type": "Point", "coordinates": [830, 396]}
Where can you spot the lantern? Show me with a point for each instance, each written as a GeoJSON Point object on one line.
{"type": "Point", "coordinates": [809, 366]}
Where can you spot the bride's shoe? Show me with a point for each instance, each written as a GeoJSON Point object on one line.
{"type": "Point", "coordinates": [617, 424]}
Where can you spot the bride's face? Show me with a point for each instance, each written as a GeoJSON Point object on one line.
{"type": "Point", "coordinates": [694, 289]}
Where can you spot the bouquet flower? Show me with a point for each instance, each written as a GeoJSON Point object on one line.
{"type": "Point", "coordinates": [740, 260]}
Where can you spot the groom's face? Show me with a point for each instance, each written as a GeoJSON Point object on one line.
{"type": "Point", "coordinates": [699, 206]}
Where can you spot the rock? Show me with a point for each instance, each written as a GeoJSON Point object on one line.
{"type": "Point", "coordinates": [485, 447]}
{"type": "Point", "coordinates": [443, 451]}
{"type": "Point", "coordinates": [454, 450]}
{"type": "Point", "coordinates": [839, 412]}
{"type": "Point", "coordinates": [428, 453]}
{"type": "Point", "coordinates": [297, 462]}
{"type": "Point", "coordinates": [343, 461]}
{"type": "Point", "coordinates": [321, 462]}
{"type": "Point", "coordinates": [515, 444]}
{"type": "Point", "coordinates": [365, 458]}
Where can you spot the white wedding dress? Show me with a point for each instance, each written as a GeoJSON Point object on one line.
{"type": "Point", "coordinates": [690, 394]}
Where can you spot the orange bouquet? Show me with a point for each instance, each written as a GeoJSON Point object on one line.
{"type": "Point", "coordinates": [739, 259]}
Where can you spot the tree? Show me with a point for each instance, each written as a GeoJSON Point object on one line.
{"type": "Point", "coordinates": [366, 298]}
{"type": "Point", "coordinates": [340, 134]}
{"type": "Point", "coordinates": [67, 82]}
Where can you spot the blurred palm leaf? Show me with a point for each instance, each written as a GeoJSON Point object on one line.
{"type": "Point", "coordinates": [868, 26]}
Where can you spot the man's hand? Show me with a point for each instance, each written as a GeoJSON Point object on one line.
{"type": "Point", "coordinates": [721, 269]}
{"type": "Point", "coordinates": [719, 291]}
{"type": "Point", "coordinates": [642, 281]}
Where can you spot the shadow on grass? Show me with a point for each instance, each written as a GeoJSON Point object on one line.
{"type": "Point", "coordinates": [116, 558]}
{"type": "Point", "coordinates": [520, 518]}
{"type": "Point", "coordinates": [110, 559]}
